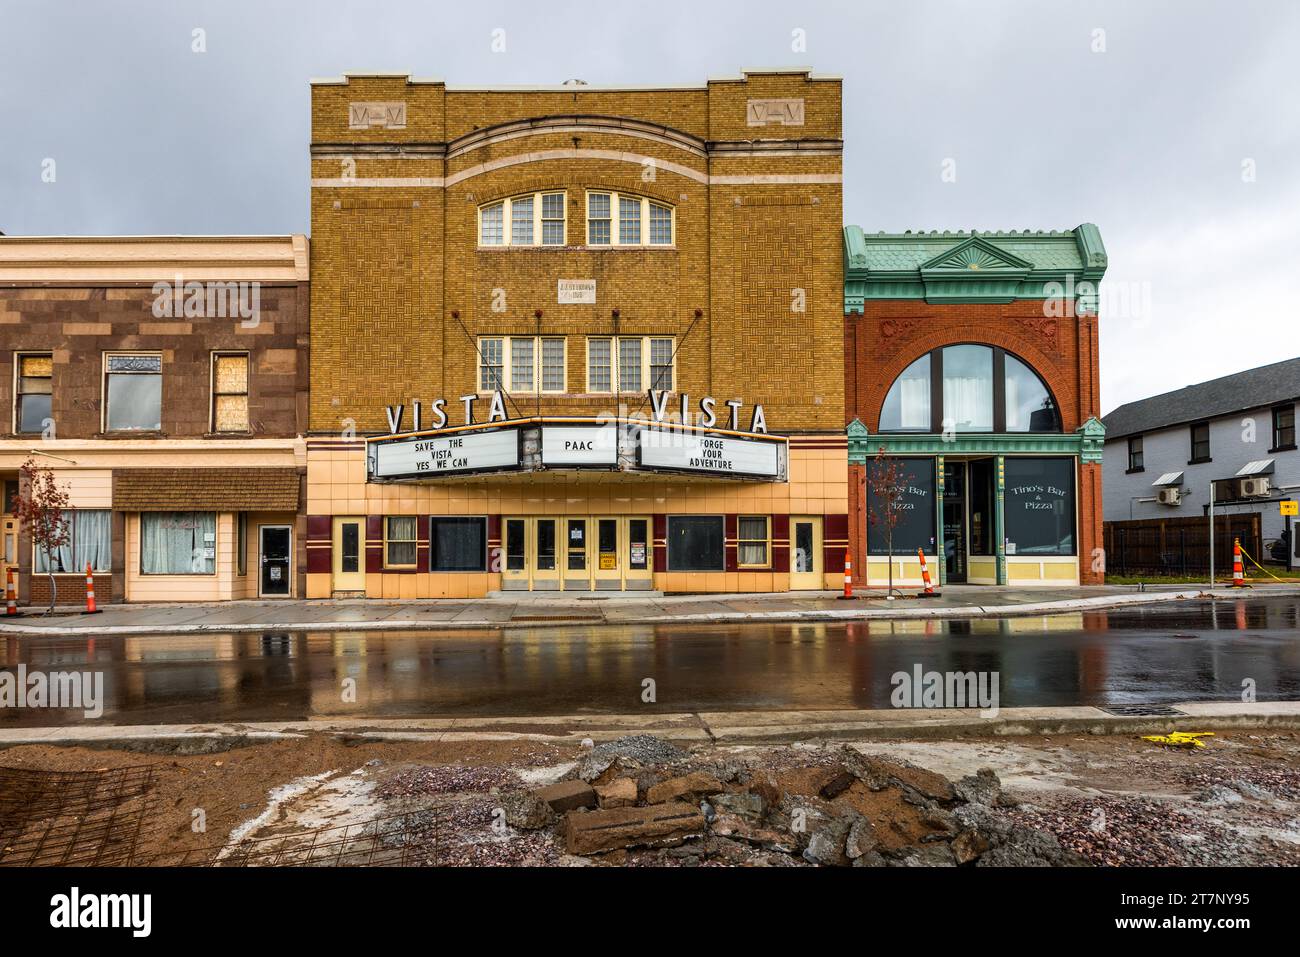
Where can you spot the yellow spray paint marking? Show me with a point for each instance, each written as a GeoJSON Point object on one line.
{"type": "Point", "coordinates": [1180, 739]}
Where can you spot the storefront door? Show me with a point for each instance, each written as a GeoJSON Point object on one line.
{"type": "Point", "coordinates": [8, 549]}
{"type": "Point", "coordinates": [576, 553]}
{"type": "Point", "coordinates": [349, 554]}
{"type": "Point", "coordinates": [274, 547]}
{"type": "Point", "coordinates": [806, 553]}
{"type": "Point", "coordinates": [607, 568]}
{"type": "Point", "coordinates": [955, 545]}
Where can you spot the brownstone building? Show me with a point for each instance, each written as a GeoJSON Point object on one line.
{"type": "Point", "coordinates": [163, 381]}
{"type": "Point", "coordinates": [576, 339]}
{"type": "Point", "coordinates": [971, 361]}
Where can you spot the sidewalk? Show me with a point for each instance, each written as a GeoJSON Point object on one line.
{"type": "Point", "coordinates": [718, 728]}
{"type": "Point", "coordinates": [526, 611]}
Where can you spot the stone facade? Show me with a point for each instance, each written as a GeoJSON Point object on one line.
{"type": "Point", "coordinates": [184, 301]}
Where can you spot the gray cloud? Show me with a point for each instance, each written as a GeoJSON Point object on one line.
{"type": "Point", "coordinates": [1146, 139]}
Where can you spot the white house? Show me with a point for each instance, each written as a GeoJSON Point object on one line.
{"type": "Point", "coordinates": [1238, 433]}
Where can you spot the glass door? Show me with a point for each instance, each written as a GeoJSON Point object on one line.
{"type": "Point", "coordinates": [640, 574]}
{"type": "Point", "coordinates": [608, 570]}
{"type": "Point", "coordinates": [806, 553]}
{"type": "Point", "coordinates": [955, 544]}
{"type": "Point", "coordinates": [545, 552]}
{"type": "Point", "coordinates": [577, 573]}
{"type": "Point", "coordinates": [274, 549]}
{"type": "Point", "coordinates": [349, 554]}
{"type": "Point", "coordinates": [514, 570]}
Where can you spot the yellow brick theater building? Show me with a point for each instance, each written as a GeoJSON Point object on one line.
{"type": "Point", "coordinates": [576, 339]}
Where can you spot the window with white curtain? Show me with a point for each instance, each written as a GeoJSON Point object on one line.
{"type": "Point", "coordinates": [90, 539]}
{"type": "Point", "coordinates": [983, 389]}
{"type": "Point", "coordinates": [753, 540]}
{"type": "Point", "coordinates": [968, 388]}
{"type": "Point", "coordinates": [907, 406]}
{"type": "Point", "coordinates": [178, 543]}
{"type": "Point", "coordinates": [399, 541]}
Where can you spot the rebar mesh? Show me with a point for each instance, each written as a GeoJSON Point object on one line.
{"type": "Point", "coordinates": [78, 818]}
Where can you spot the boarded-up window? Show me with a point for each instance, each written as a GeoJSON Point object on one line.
{"type": "Point", "coordinates": [230, 393]}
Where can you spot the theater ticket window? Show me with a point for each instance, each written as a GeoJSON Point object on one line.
{"type": "Point", "coordinates": [911, 502]}
{"type": "Point", "coordinates": [178, 543]}
{"type": "Point", "coordinates": [1038, 506]}
{"type": "Point", "coordinates": [457, 544]}
{"type": "Point", "coordinates": [695, 543]}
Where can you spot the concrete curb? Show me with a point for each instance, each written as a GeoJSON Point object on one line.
{"type": "Point", "coordinates": [716, 728]}
{"type": "Point", "coordinates": [847, 613]}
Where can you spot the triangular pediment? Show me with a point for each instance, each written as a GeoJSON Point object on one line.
{"type": "Point", "coordinates": [975, 255]}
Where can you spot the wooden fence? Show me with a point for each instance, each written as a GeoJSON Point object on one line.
{"type": "Point", "coordinates": [1179, 546]}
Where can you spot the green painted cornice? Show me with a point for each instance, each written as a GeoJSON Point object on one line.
{"type": "Point", "coordinates": [988, 267]}
{"type": "Point", "coordinates": [1085, 443]}
{"type": "Point", "coordinates": [1092, 440]}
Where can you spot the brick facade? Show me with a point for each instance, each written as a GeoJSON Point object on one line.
{"type": "Point", "coordinates": [750, 290]}
{"type": "Point", "coordinates": [889, 335]}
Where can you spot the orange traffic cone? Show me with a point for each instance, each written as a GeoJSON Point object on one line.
{"type": "Point", "coordinates": [848, 574]}
{"type": "Point", "coordinates": [1238, 576]}
{"type": "Point", "coordinates": [90, 591]}
{"type": "Point", "coordinates": [11, 595]}
{"type": "Point", "coordinates": [925, 577]}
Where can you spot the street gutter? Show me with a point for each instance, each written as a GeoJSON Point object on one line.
{"type": "Point", "coordinates": [731, 728]}
{"type": "Point", "coordinates": [912, 612]}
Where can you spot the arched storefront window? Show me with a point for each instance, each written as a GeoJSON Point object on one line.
{"type": "Point", "coordinates": [969, 388]}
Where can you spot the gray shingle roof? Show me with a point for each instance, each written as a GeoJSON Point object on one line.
{"type": "Point", "coordinates": [1266, 385]}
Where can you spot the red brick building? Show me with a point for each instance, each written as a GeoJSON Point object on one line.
{"type": "Point", "coordinates": [971, 361]}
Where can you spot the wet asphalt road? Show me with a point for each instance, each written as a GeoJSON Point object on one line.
{"type": "Point", "coordinates": [1149, 655]}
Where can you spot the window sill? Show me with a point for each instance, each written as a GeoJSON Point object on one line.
{"type": "Point", "coordinates": [1134, 471]}
{"type": "Point", "coordinates": [228, 435]}
{"type": "Point", "coordinates": [132, 434]}
{"type": "Point", "coordinates": [1281, 448]}
{"type": "Point", "coordinates": [1198, 461]}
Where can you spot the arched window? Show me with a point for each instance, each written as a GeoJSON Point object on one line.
{"type": "Point", "coordinates": [969, 388]}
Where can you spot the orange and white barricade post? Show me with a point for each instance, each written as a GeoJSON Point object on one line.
{"type": "Point", "coordinates": [1238, 575]}
{"type": "Point", "coordinates": [90, 591]}
{"type": "Point", "coordinates": [925, 577]}
{"type": "Point", "coordinates": [848, 574]}
{"type": "Point", "coordinates": [11, 595]}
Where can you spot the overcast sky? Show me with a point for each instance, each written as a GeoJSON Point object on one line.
{"type": "Point", "coordinates": [1172, 125]}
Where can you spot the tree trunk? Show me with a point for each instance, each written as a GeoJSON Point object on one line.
{"type": "Point", "coordinates": [49, 564]}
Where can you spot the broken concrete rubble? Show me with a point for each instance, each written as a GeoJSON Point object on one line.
{"type": "Point", "coordinates": [591, 832]}
{"type": "Point", "coordinates": [566, 795]}
{"type": "Point", "coordinates": [838, 809]}
{"type": "Point", "coordinates": [695, 783]}
{"type": "Point", "coordinates": [621, 792]}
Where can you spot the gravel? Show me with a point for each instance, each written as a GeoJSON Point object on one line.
{"type": "Point", "coordinates": [448, 779]}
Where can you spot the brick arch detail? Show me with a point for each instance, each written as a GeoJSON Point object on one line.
{"type": "Point", "coordinates": [1048, 368]}
{"type": "Point", "coordinates": [575, 184]}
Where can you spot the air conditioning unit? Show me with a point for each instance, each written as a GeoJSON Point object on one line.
{"type": "Point", "coordinates": [1171, 495]}
{"type": "Point", "coordinates": [1255, 487]}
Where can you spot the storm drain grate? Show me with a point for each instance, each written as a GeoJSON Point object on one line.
{"type": "Point", "coordinates": [1144, 711]}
